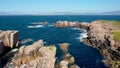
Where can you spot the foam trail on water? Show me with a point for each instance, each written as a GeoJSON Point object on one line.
{"type": "Point", "coordinates": [35, 26]}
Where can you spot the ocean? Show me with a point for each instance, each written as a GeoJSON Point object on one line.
{"type": "Point", "coordinates": [85, 56]}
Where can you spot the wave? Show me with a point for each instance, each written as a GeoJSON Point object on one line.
{"type": "Point", "coordinates": [82, 35]}
{"type": "Point", "coordinates": [35, 26]}
{"type": "Point", "coordinates": [26, 40]}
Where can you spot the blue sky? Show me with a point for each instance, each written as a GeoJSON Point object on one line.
{"type": "Point", "coordinates": [51, 6]}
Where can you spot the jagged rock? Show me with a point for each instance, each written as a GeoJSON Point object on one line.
{"type": "Point", "coordinates": [63, 64]}
{"type": "Point", "coordinates": [84, 25]}
{"type": "Point", "coordinates": [66, 24]}
{"type": "Point", "coordinates": [34, 56]}
{"type": "Point", "coordinates": [8, 40]}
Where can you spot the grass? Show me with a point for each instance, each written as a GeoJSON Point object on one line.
{"type": "Point", "coordinates": [51, 47]}
{"type": "Point", "coordinates": [116, 35]}
{"type": "Point", "coordinates": [113, 22]}
{"type": "Point", "coordinates": [117, 63]}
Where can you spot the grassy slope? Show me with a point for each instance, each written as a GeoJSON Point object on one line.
{"type": "Point", "coordinates": [115, 24]}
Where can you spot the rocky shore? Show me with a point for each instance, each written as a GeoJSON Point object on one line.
{"type": "Point", "coordinates": [34, 56]}
{"type": "Point", "coordinates": [8, 40]}
{"type": "Point", "coordinates": [100, 36]}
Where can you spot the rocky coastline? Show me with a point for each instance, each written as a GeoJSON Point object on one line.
{"type": "Point", "coordinates": [100, 37]}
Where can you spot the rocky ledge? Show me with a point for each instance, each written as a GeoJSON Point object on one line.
{"type": "Point", "coordinates": [8, 40]}
{"type": "Point", "coordinates": [34, 56]}
{"type": "Point", "coordinates": [66, 24]}
{"type": "Point", "coordinates": [104, 35]}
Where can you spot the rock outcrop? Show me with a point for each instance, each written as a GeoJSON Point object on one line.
{"type": "Point", "coordinates": [68, 60]}
{"type": "Point", "coordinates": [100, 37]}
{"type": "Point", "coordinates": [8, 40]}
{"type": "Point", "coordinates": [66, 24]}
{"type": "Point", "coordinates": [34, 56]}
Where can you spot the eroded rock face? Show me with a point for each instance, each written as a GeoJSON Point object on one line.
{"type": "Point", "coordinates": [8, 39]}
{"type": "Point", "coordinates": [66, 24]}
{"type": "Point", "coordinates": [34, 56]}
{"type": "Point", "coordinates": [99, 36]}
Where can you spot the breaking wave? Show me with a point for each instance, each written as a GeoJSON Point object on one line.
{"type": "Point", "coordinates": [82, 35]}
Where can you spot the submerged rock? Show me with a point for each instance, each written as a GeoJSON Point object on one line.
{"type": "Point", "coordinates": [34, 56]}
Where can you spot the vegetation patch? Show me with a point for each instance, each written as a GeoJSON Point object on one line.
{"type": "Point", "coordinates": [113, 22]}
{"type": "Point", "coordinates": [51, 47]}
{"type": "Point", "coordinates": [116, 35]}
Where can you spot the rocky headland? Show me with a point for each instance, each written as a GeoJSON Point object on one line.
{"type": "Point", "coordinates": [34, 56]}
{"type": "Point", "coordinates": [8, 40]}
{"type": "Point", "coordinates": [105, 36]}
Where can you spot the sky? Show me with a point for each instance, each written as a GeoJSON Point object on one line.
{"type": "Point", "coordinates": [52, 6]}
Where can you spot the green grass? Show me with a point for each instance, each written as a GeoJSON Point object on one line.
{"type": "Point", "coordinates": [116, 35]}
{"type": "Point", "coordinates": [113, 22]}
{"type": "Point", "coordinates": [51, 47]}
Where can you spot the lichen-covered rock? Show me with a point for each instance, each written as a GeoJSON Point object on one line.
{"type": "Point", "coordinates": [34, 56]}
{"type": "Point", "coordinates": [8, 39]}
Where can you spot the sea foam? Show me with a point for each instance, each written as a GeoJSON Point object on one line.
{"type": "Point", "coordinates": [82, 35]}
{"type": "Point", "coordinates": [35, 26]}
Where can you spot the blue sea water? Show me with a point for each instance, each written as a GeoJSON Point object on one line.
{"type": "Point", "coordinates": [85, 56]}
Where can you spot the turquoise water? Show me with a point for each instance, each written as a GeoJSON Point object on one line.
{"type": "Point", "coordinates": [85, 56]}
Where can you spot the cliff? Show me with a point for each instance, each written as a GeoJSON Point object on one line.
{"type": "Point", "coordinates": [8, 40]}
{"type": "Point", "coordinates": [34, 56]}
{"type": "Point", "coordinates": [104, 35]}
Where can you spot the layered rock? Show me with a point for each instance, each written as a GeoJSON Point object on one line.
{"type": "Point", "coordinates": [8, 40]}
{"type": "Point", "coordinates": [66, 24]}
{"type": "Point", "coordinates": [100, 37]}
{"type": "Point", "coordinates": [34, 56]}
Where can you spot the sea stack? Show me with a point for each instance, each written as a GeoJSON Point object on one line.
{"type": "Point", "coordinates": [8, 40]}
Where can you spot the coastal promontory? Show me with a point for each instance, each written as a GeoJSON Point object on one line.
{"type": "Point", "coordinates": [105, 36]}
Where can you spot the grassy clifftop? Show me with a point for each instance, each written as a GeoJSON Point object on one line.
{"type": "Point", "coordinates": [116, 35]}
{"type": "Point", "coordinates": [112, 22]}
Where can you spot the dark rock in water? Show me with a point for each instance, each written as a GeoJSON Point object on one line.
{"type": "Point", "coordinates": [100, 37]}
{"type": "Point", "coordinates": [34, 56]}
{"type": "Point", "coordinates": [66, 24]}
{"type": "Point", "coordinates": [8, 40]}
